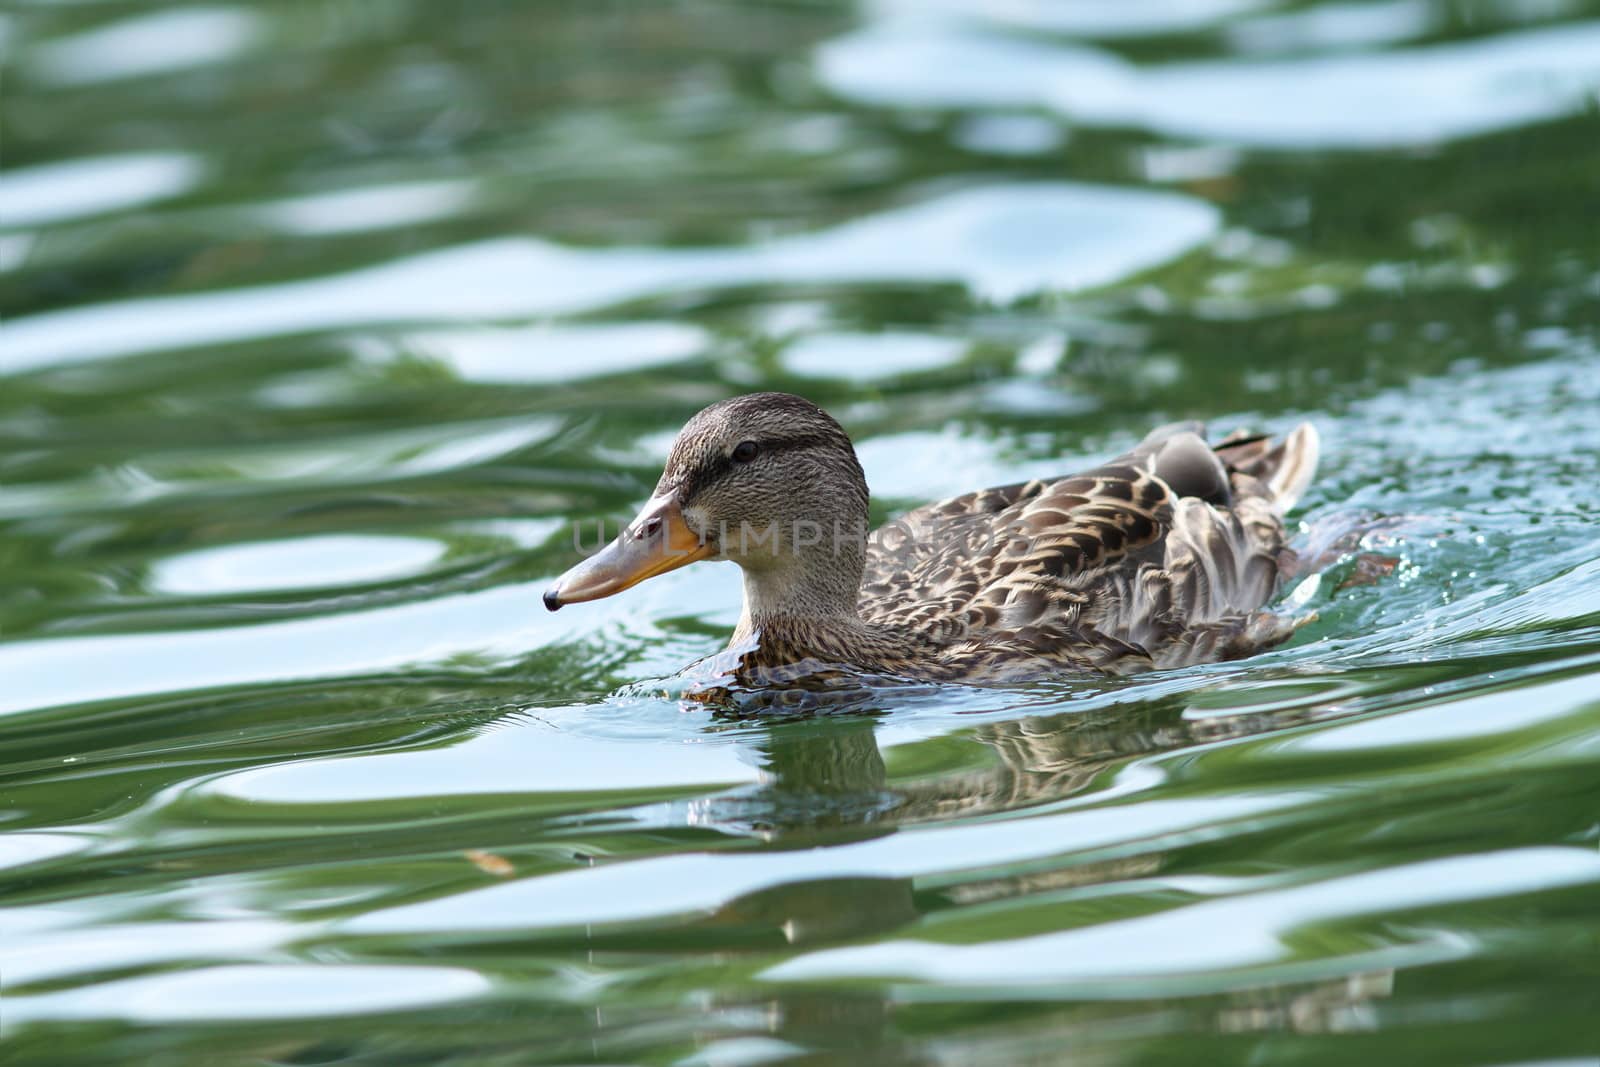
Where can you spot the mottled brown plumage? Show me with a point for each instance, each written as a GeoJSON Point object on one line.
{"type": "Point", "coordinates": [1163, 557]}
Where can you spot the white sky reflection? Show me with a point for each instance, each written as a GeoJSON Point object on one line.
{"type": "Point", "coordinates": [1236, 931]}
{"type": "Point", "coordinates": [82, 188]}
{"type": "Point", "coordinates": [1001, 241]}
{"type": "Point", "coordinates": [156, 43]}
{"type": "Point", "coordinates": [1384, 99]}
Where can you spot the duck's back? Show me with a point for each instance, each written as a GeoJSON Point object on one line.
{"type": "Point", "coordinates": [1162, 557]}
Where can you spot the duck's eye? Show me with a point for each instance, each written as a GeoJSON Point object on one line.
{"type": "Point", "coordinates": [745, 451]}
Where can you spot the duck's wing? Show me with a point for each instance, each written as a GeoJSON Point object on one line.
{"type": "Point", "coordinates": [993, 558]}
{"type": "Point", "coordinates": [1159, 557]}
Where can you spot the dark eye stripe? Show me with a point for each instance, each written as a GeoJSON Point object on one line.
{"type": "Point", "coordinates": [721, 466]}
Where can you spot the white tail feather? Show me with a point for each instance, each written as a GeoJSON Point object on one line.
{"type": "Point", "coordinates": [1301, 449]}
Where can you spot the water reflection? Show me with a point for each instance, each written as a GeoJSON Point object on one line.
{"type": "Point", "coordinates": [1371, 100]}
{"type": "Point", "coordinates": [1085, 18]}
{"type": "Point", "coordinates": [1335, 26]}
{"type": "Point", "coordinates": [257, 992]}
{"type": "Point", "coordinates": [143, 45]}
{"type": "Point", "coordinates": [1210, 936]}
{"type": "Point", "coordinates": [82, 188]}
{"type": "Point", "coordinates": [378, 207]}
{"type": "Point", "coordinates": [865, 357]}
{"type": "Point", "coordinates": [1001, 241]}
{"type": "Point", "coordinates": [549, 352]}
{"type": "Point", "coordinates": [828, 775]}
{"type": "Point", "coordinates": [826, 781]}
{"type": "Point", "coordinates": [304, 564]}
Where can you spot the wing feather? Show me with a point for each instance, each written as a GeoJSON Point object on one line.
{"type": "Point", "coordinates": [1163, 556]}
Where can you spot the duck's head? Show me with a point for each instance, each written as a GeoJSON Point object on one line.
{"type": "Point", "coordinates": [769, 481]}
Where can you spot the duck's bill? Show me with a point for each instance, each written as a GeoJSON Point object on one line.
{"type": "Point", "coordinates": [655, 542]}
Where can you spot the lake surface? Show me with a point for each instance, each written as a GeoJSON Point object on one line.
{"type": "Point", "coordinates": [324, 323]}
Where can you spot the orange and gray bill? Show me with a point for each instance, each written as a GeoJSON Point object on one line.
{"type": "Point", "coordinates": [655, 542]}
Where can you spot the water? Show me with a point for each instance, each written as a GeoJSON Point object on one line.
{"type": "Point", "coordinates": [324, 322]}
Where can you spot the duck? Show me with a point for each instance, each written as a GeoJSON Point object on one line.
{"type": "Point", "coordinates": [1165, 556]}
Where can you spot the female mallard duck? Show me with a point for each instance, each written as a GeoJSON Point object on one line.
{"type": "Point", "coordinates": [1160, 558]}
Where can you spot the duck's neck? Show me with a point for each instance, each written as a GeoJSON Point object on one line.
{"type": "Point", "coordinates": [818, 586]}
{"type": "Point", "coordinates": [809, 613]}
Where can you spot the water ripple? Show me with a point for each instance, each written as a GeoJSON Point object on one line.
{"type": "Point", "coordinates": [1415, 96]}
{"type": "Point", "coordinates": [1000, 241]}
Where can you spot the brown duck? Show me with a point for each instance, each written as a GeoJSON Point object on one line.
{"type": "Point", "coordinates": [1163, 557]}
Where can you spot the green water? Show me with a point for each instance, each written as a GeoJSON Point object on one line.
{"type": "Point", "coordinates": [324, 321]}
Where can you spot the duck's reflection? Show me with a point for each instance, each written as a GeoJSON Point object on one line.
{"type": "Point", "coordinates": [828, 910]}
{"type": "Point", "coordinates": [827, 775]}
{"type": "Point", "coordinates": [904, 1027]}
{"type": "Point", "coordinates": [826, 782]}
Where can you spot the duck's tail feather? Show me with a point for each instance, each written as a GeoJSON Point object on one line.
{"type": "Point", "coordinates": [1284, 467]}
{"type": "Point", "coordinates": [1234, 637]}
